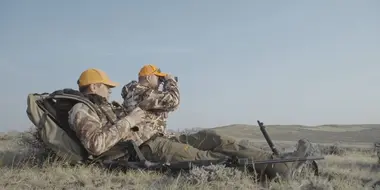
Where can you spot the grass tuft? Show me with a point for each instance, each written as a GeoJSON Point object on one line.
{"type": "Point", "coordinates": [26, 164]}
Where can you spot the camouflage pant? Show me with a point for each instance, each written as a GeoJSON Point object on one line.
{"type": "Point", "coordinates": [206, 145]}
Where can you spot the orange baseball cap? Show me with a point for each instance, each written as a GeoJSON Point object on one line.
{"type": "Point", "coordinates": [93, 76]}
{"type": "Point", "coordinates": [151, 69]}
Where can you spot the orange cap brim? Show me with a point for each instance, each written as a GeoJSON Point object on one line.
{"type": "Point", "coordinates": [111, 84]}
{"type": "Point", "coordinates": [161, 74]}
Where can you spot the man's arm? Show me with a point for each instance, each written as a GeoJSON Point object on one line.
{"type": "Point", "coordinates": [91, 133]}
{"type": "Point", "coordinates": [167, 100]}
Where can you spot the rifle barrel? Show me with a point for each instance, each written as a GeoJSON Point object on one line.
{"type": "Point", "coordinates": [282, 160]}
{"type": "Point", "coordinates": [267, 138]}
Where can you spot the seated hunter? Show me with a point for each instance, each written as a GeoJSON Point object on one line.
{"type": "Point", "coordinates": [99, 133]}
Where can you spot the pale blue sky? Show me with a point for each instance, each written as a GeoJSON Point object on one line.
{"type": "Point", "coordinates": [283, 62]}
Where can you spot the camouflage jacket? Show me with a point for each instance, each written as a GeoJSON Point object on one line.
{"type": "Point", "coordinates": [157, 104]}
{"type": "Point", "coordinates": [101, 130]}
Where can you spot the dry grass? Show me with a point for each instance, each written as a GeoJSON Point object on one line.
{"type": "Point", "coordinates": [24, 167]}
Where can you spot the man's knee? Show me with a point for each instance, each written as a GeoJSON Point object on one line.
{"type": "Point", "coordinates": [207, 139]}
{"type": "Point", "coordinates": [147, 152]}
{"type": "Point", "coordinates": [154, 149]}
{"type": "Point", "coordinates": [164, 149]}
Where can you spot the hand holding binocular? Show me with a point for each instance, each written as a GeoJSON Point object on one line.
{"type": "Point", "coordinates": [163, 79]}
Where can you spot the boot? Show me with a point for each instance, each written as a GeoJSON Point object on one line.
{"type": "Point", "coordinates": [304, 148]}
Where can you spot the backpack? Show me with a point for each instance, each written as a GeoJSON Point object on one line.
{"type": "Point", "coordinates": [49, 113]}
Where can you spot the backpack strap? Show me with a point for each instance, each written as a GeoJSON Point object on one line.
{"type": "Point", "coordinates": [45, 105]}
{"type": "Point", "coordinates": [77, 98]}
{"type": "Point", "coordinates": [109, 118]}
{"type": "Point", "coordinates": [117, 105]}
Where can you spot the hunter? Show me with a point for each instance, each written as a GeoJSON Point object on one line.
{"type": "Point", "coordinates": [158, 145]}
{"type": "Point", "coordinates": [100, 133]}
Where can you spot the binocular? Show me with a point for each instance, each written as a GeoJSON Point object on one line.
{"type": "Point", "coordinates": [162, 79]}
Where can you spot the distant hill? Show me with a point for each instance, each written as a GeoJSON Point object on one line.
{"type": "Point", "coordinates": [351, 133]}
{"type": "Point", "coordinates": [365, 133]}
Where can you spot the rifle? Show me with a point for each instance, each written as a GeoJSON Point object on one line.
{"type": "Point", "coordinates": [188, 165]}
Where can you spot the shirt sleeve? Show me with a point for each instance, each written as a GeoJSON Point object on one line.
{"type": "Point", "coordinates": [95, 138]}
{"type": "Point", "coordinates": [166, 100]}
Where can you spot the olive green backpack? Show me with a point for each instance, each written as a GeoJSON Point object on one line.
{"type": "Point", "coordinates": [49, 113]}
